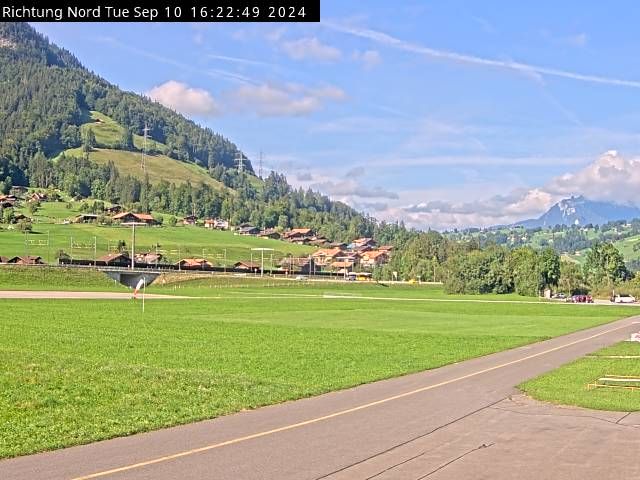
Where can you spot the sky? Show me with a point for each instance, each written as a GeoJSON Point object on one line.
{"type": "Point", "coordinates": [441, 114]}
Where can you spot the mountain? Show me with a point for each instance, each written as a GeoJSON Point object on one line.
{"type": "Point", "coordinates": [581, 211]}
{"type": "Point", "coordinates": [64, 127]}
{"type": "Point", "coordinates": [46, 95]}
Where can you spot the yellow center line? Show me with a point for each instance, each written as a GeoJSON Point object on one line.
{"type": "Point", "coordinates": [336, 414]}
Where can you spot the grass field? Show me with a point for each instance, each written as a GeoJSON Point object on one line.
{"type": "Point", "coordinates": [76, 371]}
{"type": "Point", "coordinates": [568, 384]}
{"type": "Point", "coordinates": [66, 279]}
{"type": "Point", "coordinates": [108, 135]}
{"type": "Point", "coordinates": [177, 242]}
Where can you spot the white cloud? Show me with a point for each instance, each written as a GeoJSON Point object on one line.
{"type": "Point", "coordinates": [578, 40]}
{"type": "Point", "coordinates": [184, 99]}
{"type": "Point", "coordinates": [368, 58]}
{"type": "Point", "coordinates": [611, 177]}
{"type": "Point", "coordinates": [287, 100]}
{"type": "Point", "coordinates": [310, 48]}
{"type": "Point", "coordinates": [390, 41]}
{"type": "Point", "coordinates": [352, 188]}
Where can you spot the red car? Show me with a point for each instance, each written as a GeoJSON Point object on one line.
{"type": "Point", "coordinates": [581, 299]}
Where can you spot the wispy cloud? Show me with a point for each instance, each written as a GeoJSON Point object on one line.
{"type": "Point", "coordinates": [268, 100]}
{"type": "Point", "coordinates": [368, 58]}
{"type": "Point", "coordinates": [239, 60]}
{"type": "Point", "coordinates": [394, 42]}
{"type": "Point", "coordinates": [310, 48]}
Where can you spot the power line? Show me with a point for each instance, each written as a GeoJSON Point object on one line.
{"type": "Point", "coordinates": [240, 162]}
{"type": "Point", "coordinates": [145, 132]}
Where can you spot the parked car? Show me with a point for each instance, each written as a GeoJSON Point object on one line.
{"type": "Point", "coordinates": [580, 299]}
{"type": "Point", "coordinates": [623, 298]}
{"type": "Point", "coordinates": [560, 296]}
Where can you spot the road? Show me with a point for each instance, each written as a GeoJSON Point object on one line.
{"type": "Point", "coordinates": [42, 294]}
{"type": "Point", "coordinates": [461, 421]}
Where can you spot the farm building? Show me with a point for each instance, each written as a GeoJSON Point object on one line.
{"type": "Point", "coordinates": [299, 265]}
{"type": "Point", "coordinates": [374, 258]}
{"type": "Point", "coordinates": [25, 260]}
{"type": "Point", "coordinates": [216, 223]}
{"type": "Point", "coordinates": [85, 218]}
{"type": "Point", "coordinates": [190, 220]}
{"type": "Point", "coordinates": [150, 257]}
{"type": "Point", "coordinates": [113, 209]}
{"type": "Point", "coordinates": [248, 230]}
{"type": "Point", "coordinates": [194, 263]}
{"type": "Point", "coordinates": [37, 197]}
{"type": "Point", "coordinates": [126, 217]}
{"type": "Point", "coordinates": [325, 256]}
{"type": "Point", "coordinates": [115, 259]}
{"type": "Point", "coordinates": [248, 266]}
{"type": "Point", "coordinates": [298, 235]}
{"type": "Point", "coordinates": [270, 233]}
{"type": "Point", "coordinates": [7, 201]}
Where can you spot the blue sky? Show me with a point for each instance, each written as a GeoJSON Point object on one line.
{"type": "Point", "coordinates": [444, 114]}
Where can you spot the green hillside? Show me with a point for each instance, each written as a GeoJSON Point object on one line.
{"type": "Point", "coordinates": [109, 133]}
{"type": "Point", "coordinates": [158, 166]}
{"type": "Point", "coordinates": [50, 234]}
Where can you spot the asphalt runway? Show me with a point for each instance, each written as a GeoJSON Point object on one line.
{"type": "Point", "coordinates": [62, 295]}
{"type": "Point", "coordinates": [462, 421]}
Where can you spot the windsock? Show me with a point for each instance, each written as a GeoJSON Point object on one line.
{"type": "Point", "coordinates": [138, 287]}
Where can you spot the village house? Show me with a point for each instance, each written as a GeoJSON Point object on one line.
{"type": "Point", "coordinates": [216, 223]}
{"type": "Point", "coordinates": [364, 242]}
{"type": "Point", "coordinates": [8, 201]}
{"type": "Point", "coordinates": [325, 256]}
{"type": "Point", "coordinates": [194, 264]}
{"type": "Point", "coordinates": [86, 218]}
{"type": "Point", "coordinates": [342, 267]}
{"type": "Point", "coordinates": [190, 220]}
{"type": "Point", "coordinates": [113, 209]}
{"type": "Point", "coordinates": [301, 236]}
{"type": "Point", "coordinates": [150, 258]}
{"type": "Point", "coordinates": [319, 241]}
{"type": "Point", "coordinates": [247, 266]}
{"type": "Point", "coordinates": [25, 260]}
{"type": "Point", "coordinates": [248, 230]}
{"type": "Point", "coordinates": [117, 259]}
{"type": "Point", "coordinates": [18, 190]}
{"type": "Point", "coordinates": [300, 265]}
{"type": "Point", "coordinates": [28, 260]}
{"type": "Point", "coordinates": [374, 258]}
{"type": "Point", "coordinates": [37, 197]}
{"type": "Point", "coordinates": [270, 233]}
{"type": "Point", "coordinates": [127, 217]}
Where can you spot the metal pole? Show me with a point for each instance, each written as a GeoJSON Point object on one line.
{"type": "Point", "coordinates": [95, 250]}
{"type": "Point", "coordinates": [133, 246]}
{"type": "Point", "coordinates": [262, 263]}
{"type": "Point", "coordinates": [49, 246]}
{"type": "Point", "coordinates": [225, 260]}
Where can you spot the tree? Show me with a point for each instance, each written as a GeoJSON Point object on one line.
{"type": "Point", "coordinates": [126, 141]}
{"type": "Point", "coordinates": [571, 280]}
{"type": "Point", "coordinates": [171, 221]}
{"type": "Point", "coordinates": [604, 264]}
{"type": "Point", "coordinates": [89, 141]}
{"type": "Point", "coordinates": [550, 267]}
{"type": "Point", "coordinates": [24, 225]}
{"type": "Point", "coordinates": [8, 215]}
{"type": "Point", "coordinates": [33, 206]}
{"type": "Point", "coordinates": [524, 265]}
